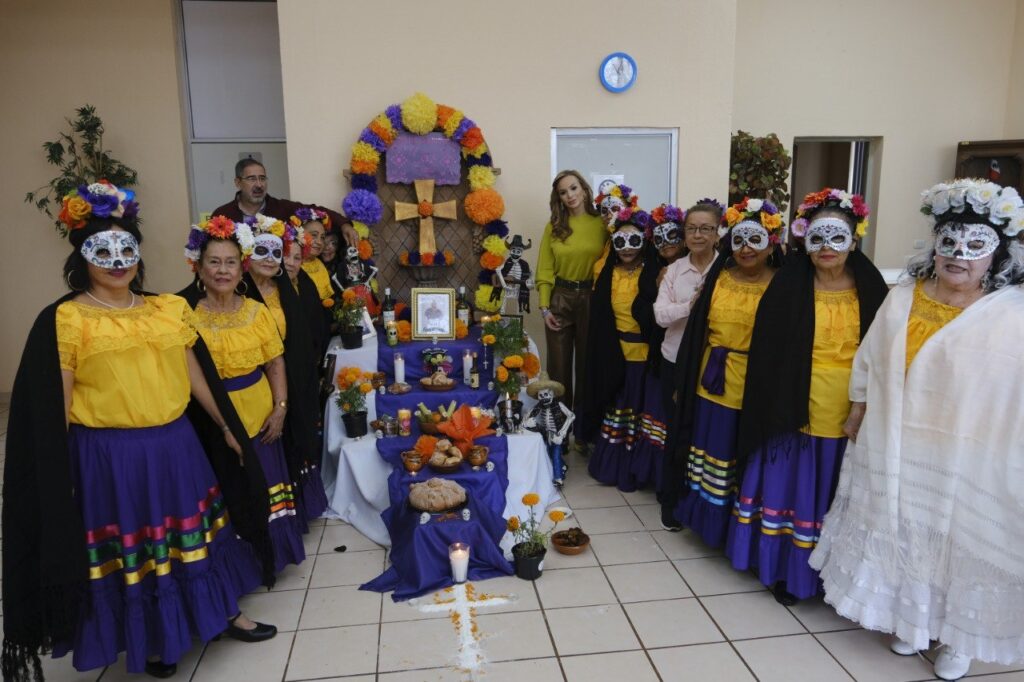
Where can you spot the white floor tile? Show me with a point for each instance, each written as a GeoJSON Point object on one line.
{"type": "Point", "coordinates": [311, 540]}
{"type": "Point", "coordinates": [338, 535]}
{"type": "Point", "coordinates": [508, 636]}
{"type": "Point", "coordinates": [353, 568]}
{"type": "Point", "coordinates": [817, 616]}
{"type": "Point", "coordinates": [754, 614]}
{"type": "Point", "coordinates": [333, 652]}
{"type": "Point", "coordinates": [683, 545]}
{"type": "Point", "coordinates": [701, 662]}
{"type": "Point", "coordinates": [554, 559]}
{"type": "Point", "coordinates": [61, 670]}
{"type": "Point", "coordinates": [449, 674]}
{"type": "Point", "coordinates": [631, 665]}
{"type": "Point", "coordinates": [276, 608]}
{"type": "Point", "coordinates": [574, 587]}
{"type": "Point", "coordinates": [650, 515]}
{"type": "Point", "coordinates": [418, 644]}
{"type": "Point", "coordinates": [646, 582]}
{"type": "Point", "coordinates": [866, 656]}
{"type": "Point", "coordinates": [716, 576]}
{"type": "Point", "coordinates": [608, 520]}
{"type": "Point", "coordinates": [591, 630]}
{"type": "Point", "coordinates": [626, 548]}
{"type": "Point", "coordinates": [675, 622]}
{"type": "Point", "coordinates": [774, 659]}
{"type": "Point", "coordinates": [330, 607]}
{"type": "Point", "coordinates": [592, 496]}
{"type": "Point", "coordinates": [232, 661]}
{"type": "Point", "coordinates": [536, 670]}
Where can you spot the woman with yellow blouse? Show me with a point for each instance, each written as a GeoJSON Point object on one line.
{"type": "Point", "coordinates": [116, 533]}
{"type": "Point", "coordinates": [710, 370]}
{"type": "Point", "coordinates": [315, 223]}
{"type": "Point", "coordinates": [268, 283]}
{"type": "Point", "coordinates": [247, 350]}
{"type": "Point", "coordinates": [572, 242]}
{"type": "Point", "coordinates": [808, 327]}
{"type": "Point", "coordinates": [619, 348]}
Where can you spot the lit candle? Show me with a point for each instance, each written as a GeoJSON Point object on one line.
{"type": "Point", "coordinates": [467, 365]}
{"type": "Point", "coordinates": [399, 368]}
{"type": "Point", "coordinates": [475, 411]}
{"type": "Point", "coordinates": [458, 555]}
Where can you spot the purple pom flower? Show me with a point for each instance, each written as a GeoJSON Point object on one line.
{"type": "Point", "coordinates": [364, 181]}
{"type": "Point", "coordinates": [439, 258]}
{"type": "Point", "coordinates": [638, 218]}
{"type": "Point", "coordinates": [362, 206]}
{"type": "Point", "coordinates": [371, 138]}
{"type": "Point", "coordinates": [484, 276]}
{"type": "Point", "coordinates": [414, 258]}
{"type": "Point", "coordinates": [483, 160]}
{"type": "Point", "coordinates": [394, 114]}
{"type": "Point", "coordinates": [465, 125]}
{"type": "Point", "coordinates": [406, 314]}
{"type": "Point", "coordinates": [498, 227]}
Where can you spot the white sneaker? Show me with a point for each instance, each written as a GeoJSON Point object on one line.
{"type": "Point", "coordinates": [949, 665]}
{"type": "Point", "coordinates": [901, 648]}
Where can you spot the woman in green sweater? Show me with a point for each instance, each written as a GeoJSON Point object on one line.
{"type": "Point", "coordinates": [573, 241]}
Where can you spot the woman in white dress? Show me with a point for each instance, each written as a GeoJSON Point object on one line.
{"type": "Point", "coordinates": [924, 538]}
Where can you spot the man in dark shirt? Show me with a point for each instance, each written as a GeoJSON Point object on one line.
{"type": "Point", "coordinates": [252, 198]}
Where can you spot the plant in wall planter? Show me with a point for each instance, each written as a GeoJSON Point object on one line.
{"type": "Point", "coordinates": [759, 168]}
{"type": "Point", "coordinates": [531, 542]}
{"type": "Point", "coordinates": [82, 161]}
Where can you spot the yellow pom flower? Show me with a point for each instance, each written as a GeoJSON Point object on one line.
{"type": "Point", "coordinates": [452, 124]}
{"type": "Point", "coordinates": [513, 523]}
{"type": "Point", "coordinates": [531, 499]}
{"type": "Point", "coordinates": [365, 388]}
{"type": "Point", "coordinates": [419, 114]}
{"type": "Point", "coordinates": [361, 229]}
{"type": "Point", "coordinates": [862, 228]}
{"type": "Point", "coordinates": [496, 245]}
{"type": "Point", "coordinates": [483, 301]}
{"type": "Point", "coordinates": [481, 177]}
{"type": "Point", "coordinates": [557, 516]}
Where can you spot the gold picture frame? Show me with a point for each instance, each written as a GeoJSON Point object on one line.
{"type": "Point", "coordinates": [433, 313]}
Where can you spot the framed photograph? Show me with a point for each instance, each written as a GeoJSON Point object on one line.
{"type": "Point", "coordinates": [1001, 161]}
{"type": "Point", "coordinates": [433, 313]}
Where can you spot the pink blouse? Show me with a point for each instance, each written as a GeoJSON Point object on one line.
{"type": "Point", "coordinates": [676, 293]}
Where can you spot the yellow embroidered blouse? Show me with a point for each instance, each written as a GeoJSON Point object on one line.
{"type": "Point", "coordinates": [730, 324]}
{"type": "Point", "coordinates": [625, 286]}
{"type": "Point", "coordinates": [273, 301]}
{"type": "Point", "coordinates": [315, 268]}
{"type": "Point", "coordinates": [129, 365]}
{"type": "Point", "coordinates": [240, 342]}
{"type": "Point", "coordinates": [927, 316]}
{"type": "Point", "coordinates": [836, 339]}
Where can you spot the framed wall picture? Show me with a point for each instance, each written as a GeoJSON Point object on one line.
{"type": "Point", "coordinates": [1001, 161]}
{"type": "Point", "coordinates": [433, 313]}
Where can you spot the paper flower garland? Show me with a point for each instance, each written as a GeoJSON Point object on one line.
{"type": "Point", "coordinates": [420, 115]}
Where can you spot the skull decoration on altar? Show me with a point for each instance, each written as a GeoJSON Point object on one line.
{"type": "Point", "coordinates": [514, 276]}
{"type": "Point", "coordinates": [552, 420]}
{"type": "Point", "coordinates": [353, 271]}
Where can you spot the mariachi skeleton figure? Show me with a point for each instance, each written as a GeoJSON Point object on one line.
{"type": "Point", "coordinates": [552, 420]}
{"type": "Point", "coordinates": [514, 275]}
{"type": "Point", "coordinates": [352, 271]}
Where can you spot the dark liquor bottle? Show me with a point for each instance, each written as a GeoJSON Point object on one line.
{"type": "Point", "coordinates": [462, 309]}
{"type": "Point", "coordinates": [387, 313]}
{"type": "Point", "coordinates": [474, 374]}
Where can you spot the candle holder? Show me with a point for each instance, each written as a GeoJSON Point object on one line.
{"type": "Point", "coordinates": [399, 367]}
{"type": "Point", "coordinates": [458, 556]}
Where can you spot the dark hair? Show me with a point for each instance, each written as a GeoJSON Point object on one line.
{"type": "Point", "coordinates": [76, 268]}
{"type": "Point", "coordinates": [245, 163]}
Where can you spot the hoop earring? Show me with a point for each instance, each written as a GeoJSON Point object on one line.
{"type": "Point", "coordinates": [201, 286]}
{"type": "Point", "coordinates": [244, 291]}
{"type": "Point", "coordinates": [67, 280]}
{"type": "Point", "coordinates": [280, 271]}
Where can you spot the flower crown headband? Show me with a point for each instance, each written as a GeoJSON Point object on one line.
{"type": "Point", "coordinates": [219, 227]}
{"type": "Point", "coordinates": [841, 200]}
{"type": "Point", "coordinates": [760, 211]}
{"type": "Point", "coordinates": [621, 192]}
{"type": "Point", "coordinates": [1001, 207]}
{"type": "Point", "coordinates": [667, 213]}
{"type": "Point", "coordinates": [307, 214]}
{"type": "Point", "coordinates": [101, 200]}
{"type": "Point", "coordinates": [631, 215]}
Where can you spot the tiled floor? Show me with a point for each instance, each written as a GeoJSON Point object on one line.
{"type": "Point", "coordinates": [642, 605]}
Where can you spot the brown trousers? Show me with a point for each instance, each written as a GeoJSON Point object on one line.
{"type": "Point", "coordinates": [572, 307]}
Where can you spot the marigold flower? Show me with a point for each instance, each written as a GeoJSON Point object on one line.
{"type": "Point", "coordinates": [513, 361]}
{"type": "Point", "coordinates": [404, 331]}
{"type": "Point", "coordinates": [346, 407]}
{"type": "Point", "coordinates": [461, 330]}
{"type": "Point", "coordinates": [531, 499]}
{"type": "Point", "coordinates": [513, 523]}
{"type": "Point", "coordinates": [365, 249]}
{"type": "Point", "coordinates": [348, 296]}
{"type": "Point", "coordinates": [557, 515]}
{"type": "Point", "coordinates": [488, 339]}
{"type": "Point", "coordinates": [365, 388]}
{"type": "Point", "coordinates": [502, 374]}
{"type": "Point", "coordinates": [327, 303]}
{"type": "Point", "coordinates": [531, 365]}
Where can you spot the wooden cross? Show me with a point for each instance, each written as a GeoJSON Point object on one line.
{"type": "Point", "coordinates": [426, 210]}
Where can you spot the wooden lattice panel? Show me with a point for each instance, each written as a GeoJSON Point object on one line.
{"type": "Point", "coordinates": [389, 238]}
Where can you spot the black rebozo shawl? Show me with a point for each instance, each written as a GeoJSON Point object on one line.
{"type": "Point", "coordinates": [317, 317]}
{"type": "Point", "coordinates": [45, 567]}
{"type": "Point", "coordinates": [303, 387]}
{"type": "Point", "coordinates": [778, 383]}
{"type": "Point", "coordinates": [606, 365]}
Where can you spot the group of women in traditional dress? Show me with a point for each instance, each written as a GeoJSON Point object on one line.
{"type": "Point", "coordinates": [162, 454]}
{"type": "Point", "coordinates": [803, 417]}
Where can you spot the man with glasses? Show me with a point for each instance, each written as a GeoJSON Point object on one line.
{"type": "Point", "coordinates": [252, 198]}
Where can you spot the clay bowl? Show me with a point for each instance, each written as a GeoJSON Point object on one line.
{"type": "Point", "coordinates": [477, 455]}
{"type": "Point", "coordinates": [430, 428]}
{"type": "Point", "coordinates": [558, 542]}
{"type": "Point", "coordinates": [413, 461]}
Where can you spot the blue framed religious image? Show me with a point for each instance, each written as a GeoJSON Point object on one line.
{"type": "Point", "coordinates": [617, 72]}
{"type": "Point", "coordinates": [433, 313]}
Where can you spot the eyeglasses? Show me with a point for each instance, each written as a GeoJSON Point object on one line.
{"type": "Point", "coordinates": [254, 178]}
{"type": "Point", "coordinates": [703, 229]}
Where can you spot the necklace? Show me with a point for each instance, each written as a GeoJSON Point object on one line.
{"type": "Point", "coordinates": [109, 305]}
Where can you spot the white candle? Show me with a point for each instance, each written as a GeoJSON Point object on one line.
{"type": "Point", "coordinates": [458, 554]}
{"type": "Point", "coordinates": [467, 365]}
{"type": "Point", "coordinates": [399, 368]}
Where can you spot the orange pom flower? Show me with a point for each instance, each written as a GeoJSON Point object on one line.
{"type": "Point", "coordinates": [403, 258]}
{"type": "Point", "coordinates": [364, 166]}
{"type": "Point", "coordinates": [531, 499]}
{"type": "Point", "coordinates": [490, 261]}
{"type": "Point", "coordinates": [473, 138]}
{"type": "Point", "coordinates": [427, 258]}
{"type": "Point", "coordinates": [449, 257]}
{"type": "Point", "coordinates": [443, 114]}
{"type": "Point", "coordinates": [404, 330]}
{"type": "Point", "coordinates": [531, 365]}
{"type": "Point", "coordinates": [484, 205]}
{"type": "Point", "coordinates": [365, 249]}
{"type": "Point", "coordinates": [425, 209]}
{"type": "Point", "coordinates": [381, 127]}
{"type": "Point", "coordinates": [425, 445]}
{"type": "Point", "coordinates": [365, 388]}
{"type": "Point", "coordinates": [513, 361]}
{"type": "Point", "coordinates": [461, 330]}
{"type": "Point", "coordinates": [488, 339]}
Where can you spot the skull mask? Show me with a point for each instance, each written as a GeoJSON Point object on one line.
{"type": "Point", "coordinates": [749, 233]}
{"type": "Point", "coordinates": [268, 247]}
{"type": "Point", "coordinates": [830, 232]}
{"type": "Point", "coordinates": [966, 241]}
{"type": "Point", "coordinates": [111, 250]}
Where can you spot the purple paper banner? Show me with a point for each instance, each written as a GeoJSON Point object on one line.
{"type": "Point", "coordinates": [423, 157]}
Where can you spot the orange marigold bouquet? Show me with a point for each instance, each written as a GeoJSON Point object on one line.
{"type": "Point", "coordinates": [353, 385]}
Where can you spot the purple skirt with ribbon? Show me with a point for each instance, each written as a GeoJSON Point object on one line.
{"type": "Point", "coordinates": [612, 461]}
{"type": "Point", "coordinates": [787, 488]}
{"type": "Point", "coordinates": [312, 496]}
{"type": "Point", "coordinates": [165, 564]}
{"type": "Point", "coordinates": [710, 472]}
{"type": "Point", "coordinates": [649, 449]}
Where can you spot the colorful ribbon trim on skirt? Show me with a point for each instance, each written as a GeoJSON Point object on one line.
{"type": "Point", "coordinates": [777, 522]}
{"type": "Point", "coordinates": [245, 381]}
{"type": "Point", "coordinates": [715, 479]}
{"type": "Point", "coordinates": [713, 379]}
{"type": "Point", "coordinates": [152, 548]}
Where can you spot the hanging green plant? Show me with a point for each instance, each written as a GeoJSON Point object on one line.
{"type": "Point", "coordinates": [759, 168]}
{"type": "Point", "coordinates": [82, 160]}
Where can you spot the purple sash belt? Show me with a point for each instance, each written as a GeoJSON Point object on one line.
{"type": "Point", "coordinates": [245, 381]}
{"type": "Point", "coordinates": [713, 379]}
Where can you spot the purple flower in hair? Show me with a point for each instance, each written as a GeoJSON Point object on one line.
{"type": "Point", "coordinates": [304, 213]}
{"type": "Point", "coordinates": [712, 202]}
{"type": "Point", "coordinates": [641, 219]}
{"type": "Point", "coordinates": [394, 114]}
{"type": "Point", "coordinates": [196, 239]}
{"type": "Point", "coordinates": [131, 209]}
{"type": "Point", "coordinates": [363, 206]}
{"type": "Point", "coordinates": [249, 220]}
{"type": "Point", "coordinates": [769, 208]}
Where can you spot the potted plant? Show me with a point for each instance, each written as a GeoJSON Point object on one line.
{"type": "Point", "coordinates": [530, 548]}
{"type": "Point", "coordinates": [353, 385]}
{"type": "Point", "coordinates": [508, 379]}
{"type": "Point", "coordinates": [758, 167]}
{"type": "Point", "coordinates": [349, 316]}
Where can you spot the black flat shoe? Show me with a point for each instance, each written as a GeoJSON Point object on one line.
{"type": "Point", "coordinates": [669, 521]}
{"type": "Point", "coordinates": [161, 669]}
{"type": "Point", "coordinates": [783, 597]}
{"type": "Point", "coordinates": [260, 633]}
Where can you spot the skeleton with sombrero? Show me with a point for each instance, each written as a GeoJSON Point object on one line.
{"type": "Point", "coordinates": [552, 420]}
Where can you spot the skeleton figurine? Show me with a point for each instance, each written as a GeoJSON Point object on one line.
{"type": "Point", "coordinates": [514, 275]}
{"type": "Point", "coordinates": [552, 419]}
{"type": "Point", "coordinates": [353, 271]}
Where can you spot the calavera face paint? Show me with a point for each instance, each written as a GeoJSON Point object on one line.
{"type": "Point", "coordinates": [966, 241]}
{"type": "Point", "coordinates": [111, 250]}
{"type": "Point", "coordinates": [268, 247]}
{"type": "Point", "coordinates": [750, 233]}
{"type": "Point", "coordinates": [830, 232]}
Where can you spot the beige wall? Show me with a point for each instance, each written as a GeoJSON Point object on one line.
{"type": "Point", "coordinates": [119, 55]}
{"type": "Point", "coordinates": [921, 74]}
{"type": "Point", "coordinates": [1015, 99]}
{"type": "Point", "coordinates": [517, 69]}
